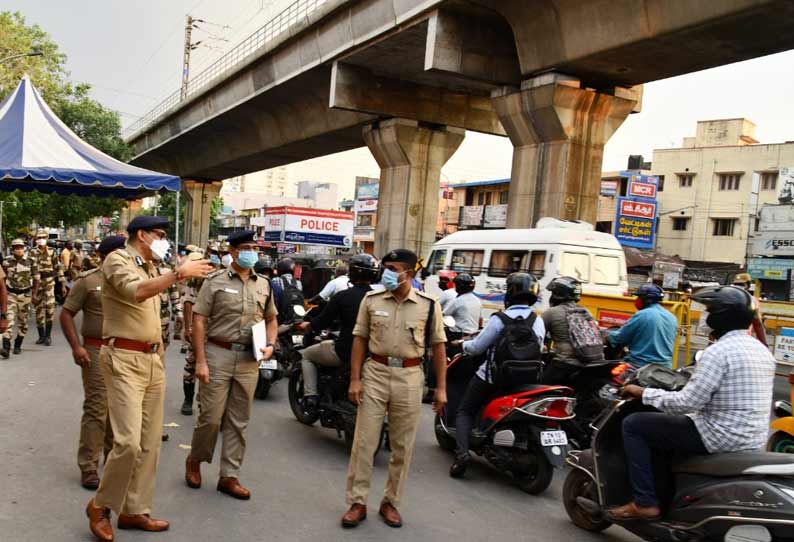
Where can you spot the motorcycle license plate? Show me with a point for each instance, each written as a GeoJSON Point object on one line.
{"type": "Point", "coordinates": [271, 364]}
{"type": "Point", "coordinates": [553, 438]}
{"type": "Point", "coordinates": [297, 340]}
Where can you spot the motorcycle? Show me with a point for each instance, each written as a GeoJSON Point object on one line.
{"type": "Point", "coordinates": [735, 497]}
{"type": "Point", "coordinates": [285, 357]}
{"type": "Point", "coordinates": [782, 440]}
{"type": "Point", "coordinates": [333, 409]}
{"type": "Point", "coordinates": [519, 431]}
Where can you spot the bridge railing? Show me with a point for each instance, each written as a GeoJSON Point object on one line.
{"type": "Point", "coordinates": [230, 60]}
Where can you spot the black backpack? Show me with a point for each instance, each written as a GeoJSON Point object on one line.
{"type": "Point", "coordinates": [292, 294]}
{"type": "Point", "coordinates": [515, 358]}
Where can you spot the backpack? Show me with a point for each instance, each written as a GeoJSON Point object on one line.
{"type": "Point", "coordinates": [515, 358]}
{"type": "Point", "coordinates": [292, 294]}
{"type": "Point", "coordinates": [585, 335]}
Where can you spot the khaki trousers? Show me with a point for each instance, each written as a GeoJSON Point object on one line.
{"type": "Point", "coordinates": [318, 354]}
{"type": "Point", "coordinates": [96, 436]}
{"type": "Point", "coordinates": [397, 391]}
{"type": "Point", "coordinates": [225, 405]}
{"type": "Point", "coordinates": [135, 384]}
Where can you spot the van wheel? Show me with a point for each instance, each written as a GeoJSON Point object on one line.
{"type": "Point", "coordinates": [445, 441]}
{"type": "Point", "coordinates": [578, 484]}
{"type": "Point", "coordinates": [538, 476]}
{"type": "Point", "coordinates": [781, 442]}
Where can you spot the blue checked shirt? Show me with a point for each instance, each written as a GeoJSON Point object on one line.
{"type": "Point", "coordinates": [728, 397]}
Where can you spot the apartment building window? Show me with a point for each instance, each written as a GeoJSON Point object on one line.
{"type": "Point", "coordinates": [729, 181]}
{"type": "Point", "coordinates": [660, 185]}
{"type": "Point", "coordinates": [769, 180]}
{"type": "Point", "coordinates": [481, 198]}
{"type": "Point", "coordinates": [685, 179]}
{"type": "Point", "coordinates": [680, 223]}
{"type": "Point", "coordinates": [723, 227]}
{"type": "Point", "coordinates": [503, 195]}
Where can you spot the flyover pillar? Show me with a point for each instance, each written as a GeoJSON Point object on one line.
{"type": "Point", "coordinates": [558, 130]}
{"type": "Point", "coordinates": [199, 196]}
{"type": "Point", "coordinates": [410, 156]}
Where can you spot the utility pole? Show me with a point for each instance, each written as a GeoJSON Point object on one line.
{"type": "Point", "coordinates": [186, 57]}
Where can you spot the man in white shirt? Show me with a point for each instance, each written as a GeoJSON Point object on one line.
{"type": "Point", "coordinates": [340, 282]}
{"type": "Point", "coordinates": [465, 308]}
{"type": "Point", "coordinates": [447, 286]}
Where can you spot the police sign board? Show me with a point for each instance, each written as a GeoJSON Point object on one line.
{"type": "Point", "coordinates": [302, 225]}
{"type": "Point", "coordinates": [635, 223]}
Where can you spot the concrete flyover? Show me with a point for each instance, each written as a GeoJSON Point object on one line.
{"type": "Point", "coordinates": [407, 78]}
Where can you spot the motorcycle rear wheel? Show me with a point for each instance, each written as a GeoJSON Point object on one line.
{"type": "Point", "coordinates": [781, 442]}
{"type": "Point", "coordinates": [541, 473]}
{"type": "Point", "coordinates": [578, 484]}
{"type": "Point", "coordinates": [295, 393]}
{"type": "Point", "coordinates": [445, 441]}
{"type": "Point", "coordinates": [262, 388]}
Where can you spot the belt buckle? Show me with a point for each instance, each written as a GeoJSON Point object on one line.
{"type": "Point", "coordinates": [239, 347]}
{"type": "Point", "coordinates": [395, 362]}
{"type": "Point", "coordinates": [153, 348]}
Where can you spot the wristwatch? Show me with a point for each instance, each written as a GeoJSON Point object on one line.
{"type": "Point", "coordinates": [271, 345]}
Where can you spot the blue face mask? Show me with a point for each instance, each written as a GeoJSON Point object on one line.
{"type": "Point", "coordinates": [214, 260]}
{"type": "Point", "coordinates": [390, 279]}
{"type": "Point", "coordinates": [246, 259]}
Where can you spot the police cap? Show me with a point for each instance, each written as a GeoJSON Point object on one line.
{"type": "Point", "coordinates": [146, 222]}
{"type": "Point", "coordinates": [42, 233]}
{"type": "Point", "coordinates": [402, 255]}
{"type": "Point", "coordinates": [111, 243]}
{"type": "Point", "coordinates": [192, 248]}
{"type": "Point", "coordinates": [17, 243]}
{"type": "Point", "coordinates": [240, 237]}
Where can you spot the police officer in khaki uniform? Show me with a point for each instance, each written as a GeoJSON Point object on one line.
{"type": "Point", "coordinates": [86, 296]}
{"type": "Point", "coordinates": [131, 360]}
{"type": "Point", "coordinates": [20, 268]}
{"type": "Point", "coordinates": [395, 326]}
{"type": "Point", "coordinates": [229, 303]}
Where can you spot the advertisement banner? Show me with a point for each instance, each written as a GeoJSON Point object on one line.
{"type": "Point", "coordinates": [472, 215]}
{"type": "Point", "coordinates": [366, 205]}
{"type": "Point", "coordinates": [785, 181]}
{"type": "Point", "coordinates": [301, 225]}
{"type": "Point", "coordinates": [769, 268]}
{"type": "Point", "coordinates": [635, 223]}
{"type": "Point", "coordinates": [773, 244]}
{"type": "Point", "coordinates": [642, 190]}
{"type": "Point", "coordinates": [609, 188]}
{"type": "Point", "coordinates": [495, 216]}
{"type": "Point", "coordinates": [367, 191]}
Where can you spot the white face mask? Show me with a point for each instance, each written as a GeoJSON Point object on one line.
{"type": "Point", "coordinates": [227, 260]}
{"type": "Point", "coordinates": [41, 242]}
{"type": "Point", "coordinates": [160, 248]}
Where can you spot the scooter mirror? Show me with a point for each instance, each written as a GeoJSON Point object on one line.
{"type": "Point", "coordinates": [299, 310]}
{"type": "Point", "coordinates": [449, 321]}
{"type": "Point", "coordinates": [698, 355]}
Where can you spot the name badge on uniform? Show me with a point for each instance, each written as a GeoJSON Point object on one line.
{"type": "Point", "coordinates": [381, 313]}
{"type": "Point", "coordinates": [231, 291]}
{"type": "Point", "coordinates": [139, 261]}
{"type": "Point", "coordinates": [98, 288]}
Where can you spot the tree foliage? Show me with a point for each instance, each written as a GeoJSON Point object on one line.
{"type": "Point", "coordinates": [91, 121]}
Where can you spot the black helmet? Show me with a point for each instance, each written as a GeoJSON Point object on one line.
{"type": "Point", "coordinates": [564, 289]}
{"type": "Point", "coordinates": [650, 293]}
{"type": "Point", "coordinates": [521, 288]}
{"type": "Point", "coordinates": [464, 283]}
{"type": "Point", "coordinates": [729, 307]}
{"type": "Point", "coordinates": [264, 265]}
{"type": "Point", "coordinates": [286, 266]}
{"type": "Point", "coordinates": [363, 267]}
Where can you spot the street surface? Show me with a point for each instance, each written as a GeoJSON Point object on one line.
{"type": "Point", "coordinates": [296, 474]}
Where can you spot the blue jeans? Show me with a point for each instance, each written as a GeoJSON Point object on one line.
{"type": "Point", "coordinates": [646, 434]}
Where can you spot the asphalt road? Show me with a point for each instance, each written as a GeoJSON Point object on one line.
{"type": "Point", "coordinates": [296, 474]}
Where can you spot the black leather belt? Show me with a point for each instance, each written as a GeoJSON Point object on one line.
{"type": "Point", "coordinates": [236, 347]}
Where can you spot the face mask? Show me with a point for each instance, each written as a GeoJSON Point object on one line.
{"type": "Point", "coordinates": [638, 304]}
{"type": "Point", "coordinates": [391, 279]}
{"type": "Point", "coordinates": [246, 259]}
{"type": "Point", "coordinates": [226, 261]}
{"type": "Point", "coordinates": [41, 242]}
{"type": "Point", "coordinates": [160, 248]}
{"type": "Point", "coordinates": [214, 260]}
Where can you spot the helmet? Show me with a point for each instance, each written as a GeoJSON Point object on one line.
{"type": "Point", "coordinates": [286, 266]}
{"type": "Point", "coordinates": [446, 278]}
{"type": "Point", "coordinates": [742, 278]}
{"type": "Point", "coordinates": [464, 283]}
{"type": "Point", "coordinates": [264, 265]}
{"type": "Point", "coordinates": [363, 267]}
{"type": "Point", "coordinates": [650, 293]}
{"type": "Point", "coordinates": [729, 307]}
{"type": "Point", "coordinates": [521, 288]}
{"type": "Point", "coordinates": [564, 289]}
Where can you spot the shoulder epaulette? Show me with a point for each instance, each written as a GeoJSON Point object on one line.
{"type": "Point", "coordinates": [431, 297]}
{"type": "Point", "coordinates": [86, 273]}
{"type": "Point", "coordinates": [121, 252]}
{"type": "Point", "coordinates": [375, 292]}
{"type": "Point", "coordinates": [216, 273]}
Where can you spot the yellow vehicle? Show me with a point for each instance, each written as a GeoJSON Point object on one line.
{"type": "Point", "coordinates": [782, 440]}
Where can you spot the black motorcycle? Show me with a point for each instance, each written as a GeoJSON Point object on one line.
{"type": "Point", "coordinates": [285, 357]}
{"type": "Point", "coordinates": [735, 497]}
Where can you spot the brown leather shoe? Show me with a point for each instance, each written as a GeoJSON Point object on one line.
{"type": "Point", "coordinates": [99, 521]}
{"type": "Point", "coordinates": [89, 479]}
{"type": "Point", "coordinates": [390, 515]}
{"type": "Point", "coordinates": [633, 511]}
{"type": "Point", "coordinates": [142, 522]}
{"type": "Point", "coordinates": [193, 473]}
{"type": "Point", "coordinates": [355, 515]}
{"type": "Point", "coordinates": [231, 486]}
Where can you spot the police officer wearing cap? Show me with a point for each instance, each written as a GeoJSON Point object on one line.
{"type": "Point", "coordinates": [20, 268]}
{"type": "Point", "coordinates": [132, 365]}
{"type": "Point", "coordinates": [86, 296]}
{"type": "Point", "coordinates": [395, 326]}
{"type": "Point", "coordinates": [229, 303]}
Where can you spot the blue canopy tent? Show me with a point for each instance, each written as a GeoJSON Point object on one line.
{"type": "Point", "coordinates": [39, 152]}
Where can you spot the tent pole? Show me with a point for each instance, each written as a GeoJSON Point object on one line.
{"type": "Point", "coordinates": [177, 222]}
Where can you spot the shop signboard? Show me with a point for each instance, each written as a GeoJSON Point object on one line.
{"type": "Point", "coordinates": [609, 188]}
{"type": "Point", "coordinates": [642, 189]}
{"type": "Point", "coordinates": [301, 225]}
{"type": "Point", "coordinates": [780, 243]}
{"type": "Point", "coordinates": [495, 216]}
{"type": "Point", "coordinates": [366, 205]}
{"type": "Point", "coordinates": [784, 345]}
{"type": "Point", "coordinates": [769, 268]}
{"type": "Point", "coordinates": [472, 215]}
{"type": "Point", "coordinates": [367, 191]}
{"type": "Point", "coordinates": [635, 223]}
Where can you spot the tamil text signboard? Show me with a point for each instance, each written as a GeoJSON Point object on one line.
{"type": "Point", "coordinates": [301, 225]}
{"type": "Point", "coordinates": [635, 223]}
{"type": "Point", "coordinates": [769, 268]}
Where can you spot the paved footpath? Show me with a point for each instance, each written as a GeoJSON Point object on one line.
{"type": "Point", "coordinates": [296, 474]}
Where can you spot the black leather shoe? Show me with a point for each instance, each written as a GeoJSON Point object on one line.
{"type": "Point", "coordinates": [18, 345]}
{"type": "Point", "coordinates": [458, 468]}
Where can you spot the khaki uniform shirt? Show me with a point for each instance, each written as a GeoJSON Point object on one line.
{"type": "Point", "coordinates": [233, 306]}
{"type": "Point", "coordinates": [20, 272]}
{"type": "Point", "coordinates": [124, 317]}
{"type": "Point", "coordinates": [86, 295]}
{"type": "Point", "coordinates": [398, 329]}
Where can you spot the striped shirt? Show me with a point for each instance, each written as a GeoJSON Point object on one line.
{"type": "Point", "coordinates": [728, 397]}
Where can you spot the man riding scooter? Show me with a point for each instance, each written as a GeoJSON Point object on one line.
{"type": "Point", "coordinates": [723, 408]}
{"type": "Point", "coordinates": [521, 292]}
{"type": "Point", "coordinates": [465, 308]}
{"type": "Point", "coordinates": [650, 332]}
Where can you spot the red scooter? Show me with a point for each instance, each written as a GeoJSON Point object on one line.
{"type": "Point", "coordinates": [518, 431]}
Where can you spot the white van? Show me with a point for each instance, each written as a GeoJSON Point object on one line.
{"type": "Point", "coordinates": [593, 257]}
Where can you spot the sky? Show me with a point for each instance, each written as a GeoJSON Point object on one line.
{"type": "Point", "coordinates": [130, 51]}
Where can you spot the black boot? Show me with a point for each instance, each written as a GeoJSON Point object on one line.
{"type": "Point", "coordinates": [40, 340]}
{"type": "Point", "coordinates": [18, 344]}
{"type": "Point", "coordinates": [48, 334]}
{"type": "Point", "coordinates": [189, 389]}
{"type": "Point", "coordinates": [6, 350]}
